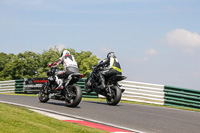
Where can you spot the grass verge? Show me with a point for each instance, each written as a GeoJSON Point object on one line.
{"type": "Point", "coordinates": [15, 119]}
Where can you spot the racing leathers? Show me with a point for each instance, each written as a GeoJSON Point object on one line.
{"type": "Point", "coordinates": [69, 64]}
{"type": "Point", "coordinates": [111, 67]}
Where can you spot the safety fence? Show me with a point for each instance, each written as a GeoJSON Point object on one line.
{"type": "Point", "coordinates": [7, 86]}
{"type": "Point", "coordinates": [160, 94]}
{"type": "Point", "coordinates": [134, 91]}
{"type": "Point", "coordinates": [33, 85]}
{"type": "Point", "coordinates": [84, 93]}
{"type": "Point", "coordinates": [182, 97]}
{"type": "Point", "coordinates": [143, 92]}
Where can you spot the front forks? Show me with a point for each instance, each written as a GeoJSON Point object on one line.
{"type": "Point", "coordinates": [109, 91]}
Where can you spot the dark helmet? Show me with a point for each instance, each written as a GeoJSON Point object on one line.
{"type": "Point", "coordinates": [65, 52]}
{"type": "Point", "coordinates": [110, 54]}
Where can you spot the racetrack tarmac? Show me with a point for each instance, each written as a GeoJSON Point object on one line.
{"type": "Point", "coordinates": [143, 118]}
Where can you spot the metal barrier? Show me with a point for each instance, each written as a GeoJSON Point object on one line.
{"type": "Point", "coordinates": [7, 86]}
{"type": "Point", "coordinates": [134, 91]}
{"type": "Point", "coordinates": [19, 86]}
{"type": "Point", "coordinates": [143, 92]}
{"type": "Point", "coordinates": [84, 93]}
{"type": "Point", "coordinates": [182, 97]}
{"type": "Point", "coordinates": [33, 85]}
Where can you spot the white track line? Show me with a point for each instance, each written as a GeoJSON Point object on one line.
{"type": "Point", "coordinates": [72, 116]}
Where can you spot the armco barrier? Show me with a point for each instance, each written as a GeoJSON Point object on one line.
{"type": "Point", "coordinates": [182, 97]}
{"type": "Point", "coordinates": [134, 91]}
{"type": "Point", "coordinates": [7, 86]}
{"type": "Point", "coordinates": [143, 92]}
{"type": "Point", "coordinates": [33, 85]}
{"type": "Point", "coordinates": [84, 93]}
{"type": "Point", "coordinates": [19, 86]}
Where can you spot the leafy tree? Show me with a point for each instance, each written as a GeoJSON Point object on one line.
{"type": "Point", "coordinates": [7, 72]}
{"type": "Point", "coordinates": [48, 56]}
{"type": "Point", "coordinates": [30, 62]}
{"type": "Point", "coordinates": [85, 61]}
{"type": "Point", "coordinates": [6, 63]}
{"type": "Point", "coordinates": [4, 58]}
{"type": "Point", "coordinates": [25, 65]}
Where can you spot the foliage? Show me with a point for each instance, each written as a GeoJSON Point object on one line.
{"type": "Point", "coordinates": [30, 64]}
{"type": "Point", "coordinates": [4, 59]}
{"type": "Point", "coordinates": [5, 62]}
{"type": "Point", "coordinates": [85, 61]}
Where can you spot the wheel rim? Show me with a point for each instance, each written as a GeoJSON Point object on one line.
{"type": "Point", "coordinates": [112, 97]}
{"type": "Point", "coordinates": [43, 96]}
{"type": "Point", "coordinates": [72, 92]}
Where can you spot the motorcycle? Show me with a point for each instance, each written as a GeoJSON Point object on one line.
{"type": "Point", "coordinates": [70, 93]}
{"type": "Point", "coordinates": [112, 91]}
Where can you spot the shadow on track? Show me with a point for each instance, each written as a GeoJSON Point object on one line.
{"type": "Point", "coordinates": [102, 103]}
{"type": "Point", "coordinates": [62, 104]}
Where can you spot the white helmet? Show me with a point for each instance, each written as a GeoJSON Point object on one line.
{"type": "Point", "coordinates": [110, 54]}
{"type": "Point", "coordinates": [65, 52]}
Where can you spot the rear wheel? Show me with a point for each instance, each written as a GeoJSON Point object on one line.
{"type": "Point", "coordinates": [74, 97]}
{"type": "Point", "coordinates": [43, 97]}
{"type": "Point", "coordinates": [115, 97]}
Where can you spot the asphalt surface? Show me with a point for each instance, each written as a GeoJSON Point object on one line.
{"type": "Point", "coordinates": [138, 117]}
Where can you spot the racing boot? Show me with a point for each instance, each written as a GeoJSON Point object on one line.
{"type": "Point", "coordinates": [60, 86]}
{"type": "Point", "coordinates": [102, 80]}
{"type": "Point", "coordinates": [59, 82]}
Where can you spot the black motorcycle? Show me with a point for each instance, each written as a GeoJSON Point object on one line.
{"type": "Point", "coordinates": [70, 93]}
{"type": "Point", "coordinates": [112, 91]}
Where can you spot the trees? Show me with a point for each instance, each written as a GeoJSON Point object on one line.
{"type": "Point", "coordinates": [47, 56]}
{"type": "Point", "coordinates": [28, 64]}
{"type": "Point", "coordinates": [4, 59]}
{"type": "Point", "coordinates": [20, 66]}
{"type": "Point", "coordinates": [85, 61]}
{"type": "Point", "coordinates": [6, 63]}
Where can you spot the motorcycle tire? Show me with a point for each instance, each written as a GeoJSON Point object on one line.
{"type": "Point", "coordinates": [42, 96]}
{"type": "Point", "coordinates": [116, 96]}
{"type": "Point", "coordinates": [76, 93]}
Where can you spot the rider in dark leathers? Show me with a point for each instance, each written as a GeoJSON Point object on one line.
{"type": "Point", "coordinates": [111, 67]}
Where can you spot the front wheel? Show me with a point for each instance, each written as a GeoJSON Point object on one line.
{"type": "Point", "coordinates": [43, 97]}
{"type": "Point", "coordinates": [74, 97]}
{"type": "Point", "coordinates": [115, 97]}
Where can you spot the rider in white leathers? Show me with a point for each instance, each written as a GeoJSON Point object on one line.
{"type": "Point", "coordinates": [69, 64]}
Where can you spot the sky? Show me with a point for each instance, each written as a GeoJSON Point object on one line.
{"type": "Point", "coordinates": [156, 41]}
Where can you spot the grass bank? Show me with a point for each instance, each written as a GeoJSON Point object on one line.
{"type": "Point", "coordinates": [15, 119]}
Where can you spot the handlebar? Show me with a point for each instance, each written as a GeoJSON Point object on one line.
{"type": "Point", "coordinates": [97, 68]}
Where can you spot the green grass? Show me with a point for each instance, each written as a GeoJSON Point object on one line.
{"type": "Point", "coordinates": [122, 101]}
{"type": "Point", "coordinates": [15, 119]}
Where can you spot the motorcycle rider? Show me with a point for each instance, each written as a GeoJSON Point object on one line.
{"type": "Point", "coordinates": [111, 67]}
{"type": "Point", "coordinates": [69, 64]}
